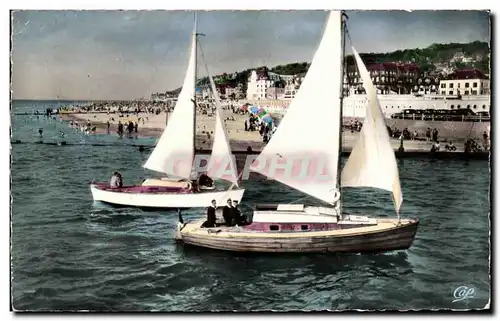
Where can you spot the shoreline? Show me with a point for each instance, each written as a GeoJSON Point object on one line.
{"type": "Point", "coordinates": [152, 125]}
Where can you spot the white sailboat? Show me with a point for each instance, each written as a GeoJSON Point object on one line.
{"type": "Point", "coordinates": [316, 110]}
{"type": "Point", "coordinates": [174, 156]}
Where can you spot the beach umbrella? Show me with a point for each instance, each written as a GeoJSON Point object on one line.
{"type": "Point", "coordinates": [267, 119]}
{"type": "Point", "coordinates": [254, 110]}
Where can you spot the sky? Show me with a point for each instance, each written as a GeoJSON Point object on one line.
{"type": "Point", "coordinates": [130, 54]}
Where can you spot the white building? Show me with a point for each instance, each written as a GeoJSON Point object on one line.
{"type": "Point", "coordinates": [257, 86]}
{"type": "Point", "coordinates": [464, 83]}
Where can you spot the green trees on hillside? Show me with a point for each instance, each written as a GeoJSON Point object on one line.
{"type": "Point", "coordinates": [426, 58]}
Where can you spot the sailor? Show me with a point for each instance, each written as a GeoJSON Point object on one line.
{"type": "Point", "coordinates": [228, 212]}
{"type": "Point", "coordinates": [120, 180]}
{"type": "Point", "coordinates": [238, 218]}
{"type": "Point", "coordinates": [113, 183]}
{"type": "Point", "coordinates": [211, 218]}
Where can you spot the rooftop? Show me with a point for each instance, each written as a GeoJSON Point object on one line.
{"type": "Point", "coordinates": [466, 74]}
{"type": "Point", "coordinates": [393, 66]}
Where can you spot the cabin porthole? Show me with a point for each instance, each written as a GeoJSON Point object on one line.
{"type": "Point", "coordinates": [304, 227]}
{"type": "Point", "coordinates": [274, 227]}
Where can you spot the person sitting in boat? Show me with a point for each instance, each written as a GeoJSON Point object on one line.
{"type": "Point", "coordinates": [120, 180]}
{"type": "Point", "coordinates": [115, 180]}
{"type": "Point", "coordinates": [205, 180]}
{"type": "Point", "coordinates": [228, 212]}
{"type": "Point", "coordinates": [211, 218]}
{"type": "Point", "coordinates": [238, 218]}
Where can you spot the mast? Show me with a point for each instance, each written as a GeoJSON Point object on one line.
{"type": "Point", "coordinates": [195, 35]}
{"type": "Point", "coordinates": [343, 24]}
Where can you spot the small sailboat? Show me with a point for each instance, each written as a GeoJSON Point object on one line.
{"type": "Point", "coordinates": [317, 111]}
{"type": "Point", "coordinates": [174, 156]}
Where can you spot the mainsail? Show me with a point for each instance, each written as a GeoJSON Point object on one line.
{"type": "Point", "coordinates": [174, 151]}
{"type": "Point", "coordinates": [222, 163]}
{"type": "Point", "coordinates": [309, 132]}
{"type": "Point", "coordinates": [372, 162]}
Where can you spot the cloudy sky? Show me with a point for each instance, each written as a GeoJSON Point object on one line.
{"type": "Point", "coordinates": [129, 54]}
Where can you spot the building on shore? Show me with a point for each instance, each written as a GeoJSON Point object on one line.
{"type": "Point", "coordinates": [465, 82]}
{"type": "Point", "coordinates": [258, 83]}
{"type": "Point", "coordinates": [388, 77]}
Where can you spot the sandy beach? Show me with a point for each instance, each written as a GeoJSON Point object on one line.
{"type": "Point", "coordinates": [151, 125]}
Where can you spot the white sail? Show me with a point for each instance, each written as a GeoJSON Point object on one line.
{"type": "Point", "coordinates": [372, 162]}
{"type": "Point", "coordinates": [221, 164]}
{"type": "Point", "coordinates": [309, 132]}
{"type": "Point", "coordinates": [174, 151]}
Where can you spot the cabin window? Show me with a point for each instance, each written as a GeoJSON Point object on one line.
{"type": "Point", "coordinates": [468, 106]}
{"type": "Point", "coordinates": [458, 106]}
{"type": "Point", "coordinates": [274, 227]}
{"type": "Point", "coordinates": [452, 106]}
{"type": "Point", "coordinates": [409, 106]}
{"type": "Point", "coordinates": [484, 106]}
{"type": "Point", "coordinates": [304, 227]}
{"type": "Point", "coordinates": [475, 107]}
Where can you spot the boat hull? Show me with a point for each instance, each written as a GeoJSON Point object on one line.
{"type": "Point", "coordinates": [386, 235]}
{"type": "Point", "coordinates": [162, 200]}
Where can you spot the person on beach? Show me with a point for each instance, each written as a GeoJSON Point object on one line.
{"type": "Point", "coordinates": [435, 135]}
{"type": "Point", "coordinates": [109, 125]}
{"type": "Point", "coordinates": [211, 218]}
{"type": "Point", "coordinates": [450, 147]}
{"type": "Point", "coordinates": [130, 128]}
{"type": "Point", "coordinates": [136, 127]}
{"type": "Point", "coordinates": [485, 140]}
{"type": "Point", "coordinates": [428, 134]}
{"type": "Point", "coordinates": [120, 129]}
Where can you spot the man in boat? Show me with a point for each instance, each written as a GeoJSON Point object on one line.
{"type": "Point", "coordinates": [211, 218]}
{"type": "Point", "coordinates": [238, 218]}
{"type": "Point", "coordinates": [205, 181]}
{"type": "Point", "coordinates": [114, 182]}
{"type": "Point", "coordinates": [228, 213]}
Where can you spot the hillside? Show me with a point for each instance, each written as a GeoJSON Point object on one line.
{"type": "Point", "coordinates": [426, 58]}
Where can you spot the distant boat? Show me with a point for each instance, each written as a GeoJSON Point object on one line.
{"type": "Point", "coordinates": [180, 189]}
{"type": "Point", "coordinates": [372, 163]}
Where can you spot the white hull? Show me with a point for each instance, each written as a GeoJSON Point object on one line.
{"type": "Point", "coordinates": [165, 200]}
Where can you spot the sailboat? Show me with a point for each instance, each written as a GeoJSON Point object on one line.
{"type": "Point", "coordinates": [317, 111]}
{"type": "Point", "coordinates": [174, 156]}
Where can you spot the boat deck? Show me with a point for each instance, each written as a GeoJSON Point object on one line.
{"type": "Point", "coordinates": [194, 229]}
{"type": "Point", "coordinates": [143, 189]}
